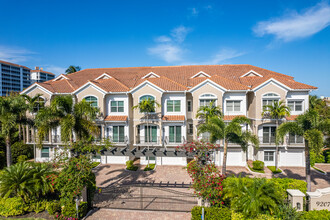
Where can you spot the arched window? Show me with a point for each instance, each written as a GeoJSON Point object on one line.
{"type": "Point", "coordinates": [146, 97]}
{"type": "Point", "coordinates": [92, 100]}
{"type": "Point", "coordinates": [39, 104]}
{"type": "Point", "coordinates": [270, 99]}
{"type": "Point", "coordinates": [206, 99]}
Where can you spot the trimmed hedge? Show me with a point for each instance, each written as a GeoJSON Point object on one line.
{"type": "Point", "coordinates": [258, 165]}
{"type": "Point", "coordinates": [150, 167]}
{"type": "Point", "coordinates": [273, 169]}
{"type": "Point", "coordinates": [210, 213]}
{"type": "Point", "coordinates": [287, 183]}
{"type": "Point", "coordinates": [12, 207]}
{"type": "Point", "coordinates": [315, 215]}
{"type": "Point", "coordinates": [130, 166]}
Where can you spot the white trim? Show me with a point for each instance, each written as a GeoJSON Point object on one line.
{"type": "Point", "coordinates": [214, 96]}
{"type": "Point", "coordinates": [270, 97]}
{"type": "Point", "coordinates": [252, 71]}
{"type": "Point", "coordinates": [28, 89]}
{"type": "Point", "coordinates": [59, 77]}
{"type": "Point", "coordinates": [199, 73]}
{"type": "Point", "coordinates": [104, 74]}
{"type": "Point", "coordinates": [271, 80]}
{"type": "Point", "coordinates": [217, 86]}
{"type": "Point", "coordinates": [149, 74]}
{"type": "Point", "coordinates": [148, 83]}
{"type": "Point", "coordinates": [90, 84]}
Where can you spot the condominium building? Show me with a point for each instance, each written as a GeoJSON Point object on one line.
{"type": "Point", "coordinates": [13, 78]}
{"type": "Point", "coordinates": [39, 75]}
{"type": "Point", "coordinates": [240, 90]}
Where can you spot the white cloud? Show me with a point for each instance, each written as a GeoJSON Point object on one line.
{"type": "Point", "coordinates": [179, 34]}
{"type": "Point", "coordinates": [54, 69]}
{"type": "Point", "coordinates": [163, 39]}
{"type": "Point", "coordinates": [295, 25]}
{"type": "Point", "coordinates": [15, 55]}
{"type": "Point", "coordinates": [168, 52]}
{"type": "Point", "coordinates": [194, 11]}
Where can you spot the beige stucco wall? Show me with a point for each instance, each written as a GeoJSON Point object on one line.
{"type": "Point", "coordinates": [39, 91]}
{"type": "Point", "coordinates": [91, 91]}
{"type": "Point", "coordinates": [269, 88]}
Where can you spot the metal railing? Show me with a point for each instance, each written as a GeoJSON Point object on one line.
{"type": "Point", "coordinates": [117, 140]}
{"type": "Point", "coordinates": [267, 140]}
{"type": "Point", "coordinates": [152, 140]}
{"type": "Point", "coordinates": [174, 141]}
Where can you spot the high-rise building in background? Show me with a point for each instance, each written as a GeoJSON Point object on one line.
{"type": "Point", "coordinates": [39, 75]}
{"type": "Point", "coordinates": [15, 77]}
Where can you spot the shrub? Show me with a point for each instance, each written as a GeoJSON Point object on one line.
{"type": "Point", "coordinates": [273, 169]}
{"type": "Point", "coordinates": [37, 206]}
{"type": "Point", "coordinates": [258, 165]}
{"type": "Point", "coordinates": [316, 158]}
{"type": "Point", "coordinates": [315, 215]}
{"type": "Point", "coordinates": [130, 166]}
{"type": "Point", "coordinates": [22, 158]}
{"type": "Point", "coordinates": [69, 210]}
{"type": "Point", "coordinates": [19, 148]}
{"type": "Point", "coordinates": [53, 207]}
{"type": "Point", "coordinates": [210, 213]}
{"type": "Point", "coordinates": [283, 184]}
{"type": "Point", "coordinates": [12, 207]}
{"type": "Point", "coordinates": [150, 167]}
{"type": "Point", "coordinates": [95, 164]}
{"type": "Point", "coordinates": [237, 216]}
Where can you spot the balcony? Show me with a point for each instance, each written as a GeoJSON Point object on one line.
{"type": "Point", "coordinates": [174, 140]}
{"type": "Point", "coordinates": [152, 140]}
{"type": "Point", "coordinates": [269, 141]}
{"type": "Point", "coordinates": [122, 140]}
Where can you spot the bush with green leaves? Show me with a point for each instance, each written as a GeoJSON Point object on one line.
{"type": "Point", "coordinates": [22, 158]}
{"type": "Point", "coordinates": [287, 212]}
{"type": "Point", "coordinates": [19, 148]}
{"type": "Point", "coordinates": [282, 184]}
{"type": "Point", "coordinates": [37, 206]}
{"type": "Point", "coordinates": [258, 165]}
{"type": "Point", "coordinates": [274, 170]}
{"type": "Point", "coordinates": [12, 206]}
{"type": "Point", "coordinates": [210, 213]}
{"type": "Point", "coordinates": [315, 215]}
{"type": "Point", "coordinates": [316, 158]}
{"type": "Point", "coordinates": [26, 180]}
{"type": "Point", "coordinates": [150, 167]}
{"type": "Point", "coordinates": [95, 164]}
{"type": "Point", "coordinates": [252, 196]}
{"type": "Point", "coordinates": [69, 211]}
{"type": "Point", "coordinates": [130, 165]}
{"type": "Point", "coordinates": [53, 207]}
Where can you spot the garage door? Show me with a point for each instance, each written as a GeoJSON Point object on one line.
{"type": "Point", "coordinates": [182, 161]}
{"type": "Point", "coordinates": [235, 157]}
{"type": "Point", "coordinates": [292, 158]}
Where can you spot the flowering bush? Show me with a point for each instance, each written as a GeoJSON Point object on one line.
{"type": "Point", "coordinates": [207, 180]}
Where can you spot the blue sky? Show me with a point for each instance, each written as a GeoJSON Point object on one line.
{"type": "Point", "coordinates": [290, 37]}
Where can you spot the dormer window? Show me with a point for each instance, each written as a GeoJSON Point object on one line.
{"type": "Point", "coordinates": [201, 74]}
{"type": "Point", "coordinates": [252, 73]}
{"type": "Point", "coordinates": [151, 75]}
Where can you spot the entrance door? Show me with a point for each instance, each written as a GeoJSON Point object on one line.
{"type": "Point", "coordinates": [150, 134]}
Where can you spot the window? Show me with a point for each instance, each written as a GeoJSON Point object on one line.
{"type": "Point", "coordinates": [233, 106]}
{"type": "Point", "coordinates": [295, 105]}
{"type": "Point", "coordinates": [150, 158]}
{"type": "Point", "coordinates": [190, 128]}
{"type": "Point", "coordinates": [147, 97]}
{"type": "Point", "coordinates": [175, 134]}
{"type": "Point", "coordinates": [150, 133]}
{"type": "Point", "coordinates": [206, 99]}
{"type": "Point", "coordinates": [189, 106]}
{"type": "Point", "coordinates": [45, 152]}
{"type": "Point", "coordinates": [268, 134]}
{"type": "Point", "coordinates": [39, 104]}
{"type": "Point", "coordinates": [268, 155]}
{"type": "Point", "coordinates": [295, 139]}
{"type": "Point", "coordinates": [96, 157]}
{"type": "Point", "coordinates": [270, 99]}
{"type": "Point", "coordinates": [173, 105]}
{"type": "Point", "coordinates": [117, 106]}
{"type": "Point", "coordinates": [118, 134]}
{"type": "Point", "coordinates": [92, 100]}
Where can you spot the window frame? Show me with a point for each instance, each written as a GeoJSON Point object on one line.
{"type": "Point", "coordinates": [206, 98]}
{"type": "Point", "coordinates": [233, 105]}
{"type": "Point", "coordinates": [174, 105]}
{"type": "Point", "coordinates": [190, 129]}
{"type": "Point", "coordinates": [175, 135]}
{"type": "Point", "coordinates": [295, 105]}
{"type": "Point", "coordinates": [270, 97]}
{"type": "Point", "coordinates": [270, 154]}
{"type": "Point", "coordinates": [92, 102]}
{"type": "Point", "coordinates": [189, 105]}
{"type": "Point", "coordinates": [42, 153]}
{"type": "Point", "coordinates": [117, 106]}
{"type": "Point", "coordinates": [271, 139]}
{"type": "Point", "coordinates": [118, 140]}
{"type": "Point", "coordinates": [148, 95]}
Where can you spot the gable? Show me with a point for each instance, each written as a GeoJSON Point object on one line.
{"type": "Point", "coordinates": [89, 88]}
{"type": "Point", "coordinates": [274, 82]}
{"type": "Point", "coordinates": [207, 84]}
{"type": "Point", "coordinates": [60, 77]}
{"type": "Point", "coordinates": [200, 74]}
{"type": "Point", "coordinates": [252, 73]}
{"type": "Point", "coordinates": [103, 76]}
{"type": "Point", "coordinates": [150, 75]}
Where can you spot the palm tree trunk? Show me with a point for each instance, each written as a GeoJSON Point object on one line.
{"type": "Point", "coordinates": [8, 152]}
{"type": "Point", "coordinates": [148, 133]}
{"type": "Point", "coordinates": [224, 162]}
{"type": "Point", "coordinates": [308, 167]}
{"type": "Point", "coordinates": [276, 149]}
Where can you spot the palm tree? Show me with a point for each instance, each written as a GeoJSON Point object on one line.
{"type": "Point", "coordinates": [16, 180]}
{"type": "Point", "coordinates": [231, 132]}
{"type": "Point", "coordinates": [72, 69]}
{"type": "Point", "coordinates": [146, 106]}
{"type": "Point", "coordinates": [310, 127]}
{"type": "Point", "coordinates": [42, 185]}
{"type": "Point", "coordinates": [208, 111]}
{"type": "Point", "coordinates": [73, 119]}
{"type": "Point", "coordinates": [276, 111]}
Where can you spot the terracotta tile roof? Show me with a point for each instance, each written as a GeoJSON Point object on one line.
{"type": "Point", "coordinates": [173, 118]}
{"type": "Point", "coordinates": [230, 117]}
{"type": "Point", "coordinates": [14, 64]}
{"type": "Point", "coordinates": [292, 117]}
{"type": "Point", "coordinates": [178, 78]}
{"type": "Point", "coordinates": [115, 118]}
